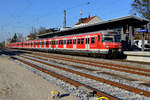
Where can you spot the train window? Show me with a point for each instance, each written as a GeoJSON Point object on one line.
{"type": "Point", "coordinates": [87, 40]}
{"type": "Point", "coordinates": [108, 39]}
{"type": "Point", "coordinates": [70, 41]}
{"type": "Point", "coordinates": [47, 43]}
{"type": "Point", "coordinates": [92, 40]}
{"type": "Point", "coordinates": [60, 42]}
{"type": "Point", "coordinates": [56, 42]}
{"type": "Point", "coordinates": [82, 40]}
{"type": "Point", "coordinates": [98, 37]}
{"type": "Point", "coordinates": [78, 41]}
{"type": "Point", "coordinates": [74, 41]}
{"type": "Point", "coordinates": [67, 41]}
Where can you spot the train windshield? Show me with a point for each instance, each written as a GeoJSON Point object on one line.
{"type": "Point", "coordinates": [108, 39]}
{"type": "Point", "coordinates": [111, 38]}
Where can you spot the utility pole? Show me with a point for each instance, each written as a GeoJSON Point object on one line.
{"type": "Point", "coordinates": [64, 26]}
{"type": "Point", "coordinates": [81, 13]}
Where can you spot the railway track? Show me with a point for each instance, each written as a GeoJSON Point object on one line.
{"type": "Point", "coordinates": [132, 70]}
{"type": "Point", "coordinates": [66, 79]}
{"type": "Point", "coordinates": [44, 59]}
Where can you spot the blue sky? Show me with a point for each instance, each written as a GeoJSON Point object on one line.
{"type": "Point", "coordinates": [19, 16]}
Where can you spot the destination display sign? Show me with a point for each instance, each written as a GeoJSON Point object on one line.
{"type": "Point", "coordinates": [143, 30]}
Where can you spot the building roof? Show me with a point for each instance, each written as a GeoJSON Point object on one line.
{"type": "Point", "coordinates": [85, 20]}
{"type": "Point", "coordinates": [104, 25]}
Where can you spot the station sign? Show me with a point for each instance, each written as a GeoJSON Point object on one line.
{"type": "Point", "coordinates": [143, 30]}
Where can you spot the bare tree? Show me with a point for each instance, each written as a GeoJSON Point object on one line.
{"type": "Point", "coordinates": [20, 37]}
{"type": "Point", "coordinates": [142, 7]}
{"type": "Point", "coordinates": [42, 30]}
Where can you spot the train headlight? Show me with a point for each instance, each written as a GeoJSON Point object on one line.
{"type": "Point", "coordinates": [107, 46]}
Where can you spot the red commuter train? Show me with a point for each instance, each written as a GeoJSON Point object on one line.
{"type": "Point", "coordinates": [94, 43]}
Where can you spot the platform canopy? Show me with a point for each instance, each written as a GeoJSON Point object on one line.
{"type": "Point", "coordinates": [133, 21]}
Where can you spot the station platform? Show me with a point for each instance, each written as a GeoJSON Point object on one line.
{"type": "Point", "coordinates": [138, 56]}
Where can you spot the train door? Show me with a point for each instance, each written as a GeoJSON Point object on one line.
{"type": "Point", "coordinates": [43, 44]}
{"type": "Point", "coordinates": [74, 43]}
{"type": "Point", "coordinates": [35, 44]}
{"type": "Point", "coordinates": [93, 42]}
{"type": "Point", "coordinates": [64, 43]}
{"type": "Point", "coordinates": [50, 44]}
{"type": "Point", "coordinates": [87, 41]}
{"type": "Point", "coordinates": [99, 43]}
{"type": "Point", "coordinates": [53, 42]}
{"type": "Point", "coordinates": [60, 43]}
{"type": "Point", "coordinates": [82, 44]}
{"type": "Point", "coordinates": [78, 42]}
{"type": "Point", "coordinates": [47, 43]}
{"type": "Point", "coordinates": [38, 44]}
{"type": "Point", "coordinates": [57, 43]}
{"type": "Point", "coordinates": [69, 43]}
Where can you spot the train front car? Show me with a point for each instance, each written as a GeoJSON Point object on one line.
{"type": "Point", "coordinates": [111, 42]}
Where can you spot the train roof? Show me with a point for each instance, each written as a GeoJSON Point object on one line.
{"type": "Point", "coordinates": [104, 25]}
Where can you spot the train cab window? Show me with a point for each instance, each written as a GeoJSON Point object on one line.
{"type": "Point", "coordinates": [79, 41]}
{"type": "Point", "coordinates": [92, 40]}
{"type": "Point", "coordinates": [108, 39]}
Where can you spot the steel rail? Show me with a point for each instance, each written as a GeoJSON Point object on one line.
{"type": "Point", "coordinates": [68, 80]}
{"type": "Point", "coordinates": [119, 85]}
